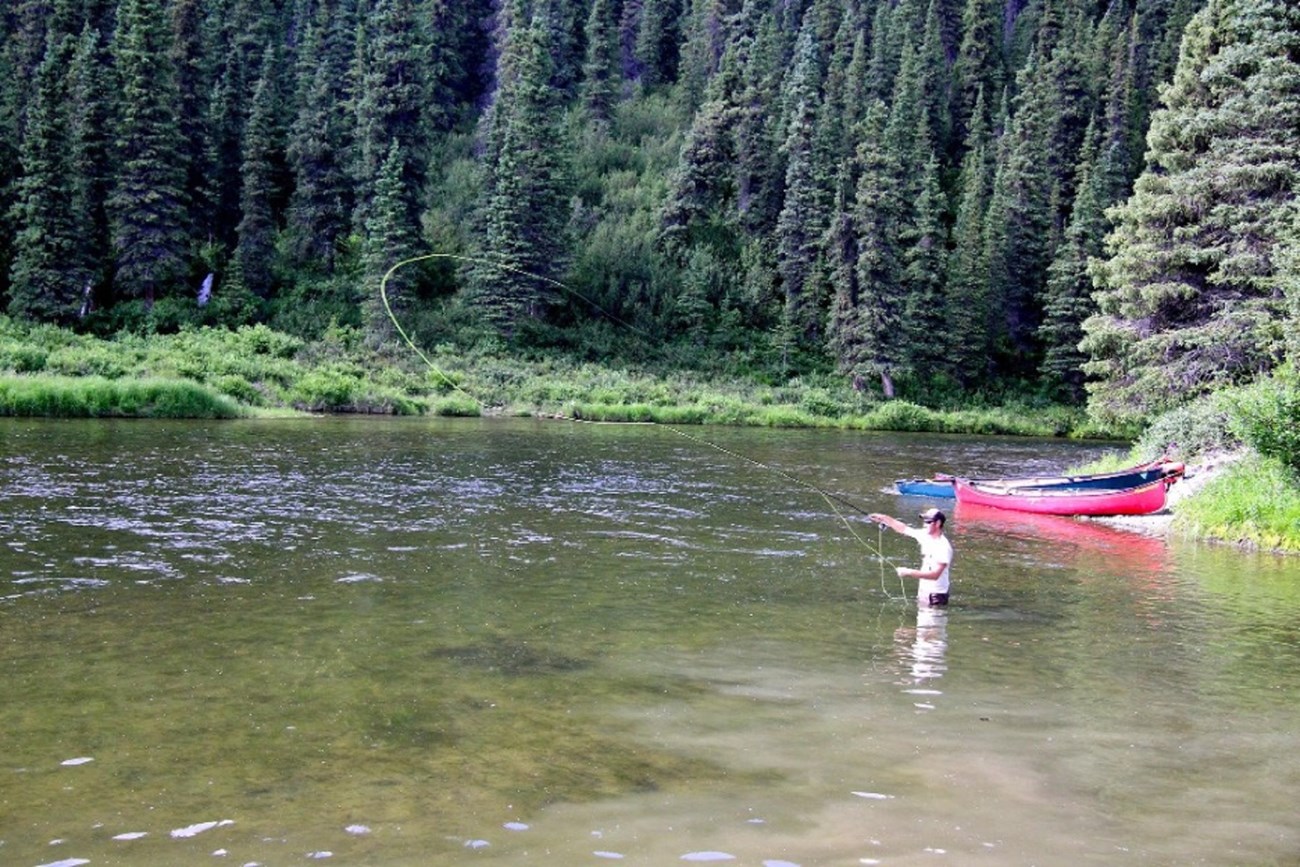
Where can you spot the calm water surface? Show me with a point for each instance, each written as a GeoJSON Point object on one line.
{"type": "Point", "coordinates": [392, 642]}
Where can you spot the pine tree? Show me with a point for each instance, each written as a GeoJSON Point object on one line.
{"type": "Point", "coordinates": [390, 238]}
{"type": "Point", "coordinates": [263, 152]}
{"type": "Point", "coordinates": [1019, 222]}
{"type": "Point", "coordinates": [321, 201]}
{"type": "Point", "coordinates": [89, 101]}
{"type": "Point", "coordinates": [148, 203]}
{"type": "Point", "coordinates": [44, 281]}
{"type": "Point", "coordinates": [601, 74]}
{"type": "Point", "coordinates": [882, 350]}
{"type": "Point", "coordinates": [389, 102]}
{"type": "Point", "coordinates": [969, 305]}
{"type": "Point", "coordinates": [1188, 290]}
{"type": "Point", "coordinates": [524, 212]}
{"type": "Point", "coordinates": [803, 219]}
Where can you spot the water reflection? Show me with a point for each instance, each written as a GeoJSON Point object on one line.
{"type": "Point", "coordinates": [923, 650]}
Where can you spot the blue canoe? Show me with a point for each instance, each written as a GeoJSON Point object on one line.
{"type": "Point", "coordinates": [925, 487]}
{"type": "Point", "coordinates": [942, 486]}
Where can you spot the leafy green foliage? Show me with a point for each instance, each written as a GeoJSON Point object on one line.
{"type": "Point", "coordinates": [1267, 417]}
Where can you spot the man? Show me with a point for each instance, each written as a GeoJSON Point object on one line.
{"type": "Point", "coordinates": [936, 556]}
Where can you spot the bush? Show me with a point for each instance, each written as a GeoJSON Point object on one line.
{"type": "Point", "coordinates": [329, 388]}
{"type": "Point", "coordinates": [1201, 427]}
{"type": "Point", "coordinates": [899, 415]}
{"type": "Point", "coordinates": [23, 358]}
{"type": "Point", "coordinates": [459, 405]}
{"type": "Point", "coordinates": [1267, 418]}
{"type": "Point", "coordinates": [239, 388]}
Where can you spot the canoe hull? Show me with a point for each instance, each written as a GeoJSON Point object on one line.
{"type": "Point", "coordinates": [925, 487]}
{"type": "Point", "coordinates": [1140, 500]}
{"type": "Point", "coordinates": [942, 486]}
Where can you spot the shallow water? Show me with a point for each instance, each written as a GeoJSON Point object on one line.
{"type": "Point", "coordinates": [435, 642]}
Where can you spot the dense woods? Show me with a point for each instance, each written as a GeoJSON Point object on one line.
{"type": "Point", "coordinates": [1071, 198]}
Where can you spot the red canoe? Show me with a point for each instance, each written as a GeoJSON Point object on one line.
{"type": "Point", "coordinates": [1140, 500]}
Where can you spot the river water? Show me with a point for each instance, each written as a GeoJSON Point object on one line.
{"type": "Point", "coordinates": [412, 642]}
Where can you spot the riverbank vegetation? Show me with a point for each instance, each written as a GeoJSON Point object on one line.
{"type": "Point", "coordinates": [1051, 217]}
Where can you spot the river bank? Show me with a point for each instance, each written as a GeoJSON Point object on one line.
{"type": "Point", "coordinates": [1206, 505]}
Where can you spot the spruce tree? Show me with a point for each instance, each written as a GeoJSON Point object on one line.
{"type": "Point", "coordinates": [9, 164]}
{"type": "Point", "coordinates": [148, 203]}
{"type": "Point", "coordinates": [389, 102]}
{"type": "Point", "coordinates": [924, 242]}
{"type": "Point", "coordinates": [320, 203]}
{"type": "Point", "coordinates": [1188, 288]}
{"type": "Point", "coordinates": [657, 41]}
{"type": "Point", "coordinates": [980, 67]}
{"type": "Point", "coordinates": [389, 239]}
{"type": "Point", "coordinates": [882, 350]}
{"type": "Point", "coordinates": [969, 298]}
{"type": "Point", "coordinates": [1103, 181]}
{"type": "Point", "coordinates": [700, 207]}
{"type": "Point", "coordinates": [760, 132]}
{"type": "Point", "coordinates": [803, 219]}
{"type": "Point", "coordinates": [44, 282]}
{"type": "Point", "coordinates": [1068, 293]}
{"type": "Point", "coordinates": [601, 73]}
{"type": "Point", "coordinates": [263, 152]}
{"type": "Point", "coordinates": [89, 144]}
{"type": "Point", "coordinates": [1018, 230]}
{"type": "Point", "coordinates": [524, 212]}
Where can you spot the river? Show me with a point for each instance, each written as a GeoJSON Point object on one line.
{"type": "Point", "coordinates": [415, 641]}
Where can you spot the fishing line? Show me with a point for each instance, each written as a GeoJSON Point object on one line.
{"type": "Point", "coordinates": [830, 498]}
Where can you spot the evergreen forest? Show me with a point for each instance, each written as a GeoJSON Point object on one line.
{"type": "Point", "coordinates": [1089, 201]}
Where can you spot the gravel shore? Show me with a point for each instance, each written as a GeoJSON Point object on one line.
{"type": "Point", "coordinates": [1160, 523]}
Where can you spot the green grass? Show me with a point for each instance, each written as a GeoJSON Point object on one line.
{"type": "Point", "coordinates": [1256, 502]}
{"type": "Point", "coordinates": [97, 397]}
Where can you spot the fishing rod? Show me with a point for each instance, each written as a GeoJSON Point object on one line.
{"type": "Point", "coordinates": [830, 497]}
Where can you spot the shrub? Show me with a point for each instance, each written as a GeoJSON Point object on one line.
{"type": "Point", "coordinates": [23, 357]}
{"type": "Point", "coordinates": [328, 388]}
{"type": "Point", "coordinates": [1200, 427]}
{"type": "Point", "coordinates": [899, 415]}
{"type": "Point", "coordinates": [239, 388]}
{"type": "Point", "coordinates": [460, 405]}
{"type": "Point", "coordinates": [1267, 417]}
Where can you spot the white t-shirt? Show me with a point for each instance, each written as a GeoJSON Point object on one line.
{"type": "Point", "coordinates": [934, 550]}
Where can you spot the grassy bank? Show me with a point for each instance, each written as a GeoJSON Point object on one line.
{"type": "Point", "coordinates": [257, 370]}
{"type": "Point", "coordinates": [97, 397]}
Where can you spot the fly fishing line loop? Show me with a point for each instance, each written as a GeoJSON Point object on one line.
{"type": "Point", "coordinates": [876, 550]}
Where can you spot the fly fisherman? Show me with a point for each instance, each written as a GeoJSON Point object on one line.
{"type": "Point", "coordinates": [936, 556]}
